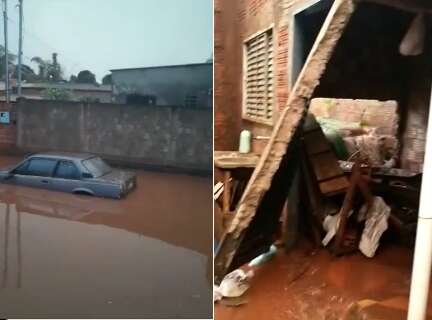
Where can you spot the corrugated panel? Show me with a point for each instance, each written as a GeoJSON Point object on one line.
{"type": "Point", "coordinates": [259, 77]}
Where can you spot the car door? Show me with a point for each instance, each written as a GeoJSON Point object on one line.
{"type": "Point", "coordinates": [35, 172]}
{"type": "Point", "coordinates": [66, 176]}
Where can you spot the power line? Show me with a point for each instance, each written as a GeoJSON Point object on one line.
{"type": "Point", "coordinates": [47, 45]}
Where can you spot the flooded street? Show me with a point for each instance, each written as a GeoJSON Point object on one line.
{"type": "Point", "coordinates": [148, 255]}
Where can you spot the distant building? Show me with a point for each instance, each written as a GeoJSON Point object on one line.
{"type": "Point", "coordinates": [188, 85]}
{"type": "Point", "coordinates": [77, 91]}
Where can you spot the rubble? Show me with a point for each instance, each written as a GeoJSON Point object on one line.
{"type": "Point", "coordinates": [234, 284]}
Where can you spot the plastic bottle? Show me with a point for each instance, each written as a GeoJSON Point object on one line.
{"type": "Point", "coordinates": [245, 141]}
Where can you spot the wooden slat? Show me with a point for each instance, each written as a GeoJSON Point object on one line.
{"type": "Point", "coordinates": [259, 76]}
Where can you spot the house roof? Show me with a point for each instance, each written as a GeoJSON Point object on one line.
{"type": "Point", "coordinates": [168, 66]}
{"type": "Point", "coordinates": [70, 86]}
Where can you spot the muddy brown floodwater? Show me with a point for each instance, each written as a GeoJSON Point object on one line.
{"type": "Point", "coordinates": [148, 255]}
{"type": "Point", "coordinates": [309, 284]}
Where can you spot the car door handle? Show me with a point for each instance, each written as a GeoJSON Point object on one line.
{"type": "Point", "coordinates": [44, 181]}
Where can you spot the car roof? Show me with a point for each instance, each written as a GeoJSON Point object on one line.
{"type": "Point", "coordinates": [64, 155]}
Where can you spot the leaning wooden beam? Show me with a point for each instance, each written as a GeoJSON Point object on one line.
{"type": "Point", "coordinates": [283, 132]}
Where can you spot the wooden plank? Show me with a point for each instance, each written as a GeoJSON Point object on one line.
{"type": "Point", "coordinates": [276, 154]}
{"type": "Point", "coordinates": [235, 159]}
{"type": "Point", "coordinates": [227, 192]}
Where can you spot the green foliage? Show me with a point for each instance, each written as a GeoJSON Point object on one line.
{"type": "Point", "coordinates": [86, 76]}
{"type": "Point", "coordinates": [57, 94]}
{"type": "Point", "coordinates": [107, 79]}
{"type": "Point", "coordinates": [11, 57]}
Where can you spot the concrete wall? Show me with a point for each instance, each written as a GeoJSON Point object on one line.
{"type": "Point", "coordinates": [165, 137]}
{"type": "Point", "coordinates": [170, 84]}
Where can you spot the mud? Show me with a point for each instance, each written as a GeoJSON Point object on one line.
{"type": "Point", "coordinates": [148, 255]}
{"type": "Point", "coordinates": [308, 284]}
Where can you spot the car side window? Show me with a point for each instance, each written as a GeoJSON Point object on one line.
{"type": "Point", "coordinates": [67, 170]}
{"type": "Point", "coordinates": [22, 169]}
{"type": "Point", "coordinates": [41, 167]}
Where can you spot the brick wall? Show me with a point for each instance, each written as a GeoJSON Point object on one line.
{"type": "Point", "coordinates": [7, 133]}
{"type": "Point", "coordinates": [235, 21]}
{"type": "Point", "coordinates": [227, 65]}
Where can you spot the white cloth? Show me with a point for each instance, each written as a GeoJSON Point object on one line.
{"type": "Point", "coordinates": [331, 224]}
{"type": "Point", "coordinates": [376, 223]}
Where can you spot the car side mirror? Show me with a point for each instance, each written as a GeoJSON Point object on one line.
{"type": "Point", "coordinates": [87, 175]}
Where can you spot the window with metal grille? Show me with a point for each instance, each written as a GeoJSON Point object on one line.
{"type": "Point", "coordinates": [258, 77]}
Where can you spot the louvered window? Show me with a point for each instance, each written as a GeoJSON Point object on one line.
{"type": "Point", "coordinates": [259, 77]}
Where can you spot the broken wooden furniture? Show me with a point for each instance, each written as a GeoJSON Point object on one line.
{"type": "Point", "coordinates": [401, 190]}
{"type": "Point", "coordinates": [236, 169]}
{"type": "Point", "coordinates": [358, 182]}
{"type": "Point", "coordinates": [326, 179]}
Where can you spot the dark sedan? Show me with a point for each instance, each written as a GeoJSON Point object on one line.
{"type": "Point", "coordinates": [70, 172]}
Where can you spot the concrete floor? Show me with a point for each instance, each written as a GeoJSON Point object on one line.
{"type": "Point", "coordinates": [313, 284]}
{"type": "Point", "coordinates": [148, 255]}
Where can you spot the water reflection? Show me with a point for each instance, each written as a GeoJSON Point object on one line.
{"type": "Point", "coordinates": [79, 256]}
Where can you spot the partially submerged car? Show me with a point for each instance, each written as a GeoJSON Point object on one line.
{"type": "Point", "coordinates": [70, 172]}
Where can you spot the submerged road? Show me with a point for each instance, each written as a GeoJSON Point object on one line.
{"type": "Point", "coordinates": [148, 255]}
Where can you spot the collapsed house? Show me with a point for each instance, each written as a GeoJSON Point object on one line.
{"type": "Point", "coordinates": [361, 70]}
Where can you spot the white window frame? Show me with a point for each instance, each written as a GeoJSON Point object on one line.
{"type": "Point", "coordinates": [245, 116]}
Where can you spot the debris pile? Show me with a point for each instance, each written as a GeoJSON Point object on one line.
{"type": "Point", "coordinates": [365, 126]}
{"type": "Point", "coordinates": [349, 189]}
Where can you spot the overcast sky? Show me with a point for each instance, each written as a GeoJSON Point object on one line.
{"type": "Point", "coordinates": [100, 35]}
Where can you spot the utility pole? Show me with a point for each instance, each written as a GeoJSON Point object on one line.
{"type": "Point", "coordinates": [6, 50]}
{"type": "Point", "coordinates": [419, 291]}
{"type": "Point", "coordinates": [20, 46]}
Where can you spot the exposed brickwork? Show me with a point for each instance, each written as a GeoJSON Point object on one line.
{"type": "Point", "coordinates": [235, 21]}
{"type": "Point", "coordinates": [7, 133]}
{"type": "Point", "coordinates": [227, 65]}
{"type": "Point", "coordinates": [282, 89]}
{"type": "Point", "coordinates": [255, 5]}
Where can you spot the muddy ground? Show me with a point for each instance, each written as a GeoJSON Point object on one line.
{"type": "Point", "coordinates": [313, 284]}
{"type": "Point", "coordinates": [148, 255]}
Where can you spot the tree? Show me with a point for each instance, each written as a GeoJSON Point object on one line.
{"type": "Point", "coordinates": [107, 79]}
{"type": "Point", "coordinates": [11, 57]}
{"type": "Point", "coordinates": [57, 94]}
{"type": "Point", "coordinates": [73, 79]}
{"type": "Point", "coordinates": [86, 76]}
{"type": "Point", "coordinates": [27, 72]}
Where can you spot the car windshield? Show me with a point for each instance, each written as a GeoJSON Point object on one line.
{"type": "Point", "coordinates": [96, 166]}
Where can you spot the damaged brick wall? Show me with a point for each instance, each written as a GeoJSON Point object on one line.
{"type": "Point", "coordinates": [416, 113]}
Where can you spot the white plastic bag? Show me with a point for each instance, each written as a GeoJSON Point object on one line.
{"type": "Point", "coordinates": [235, 283]}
